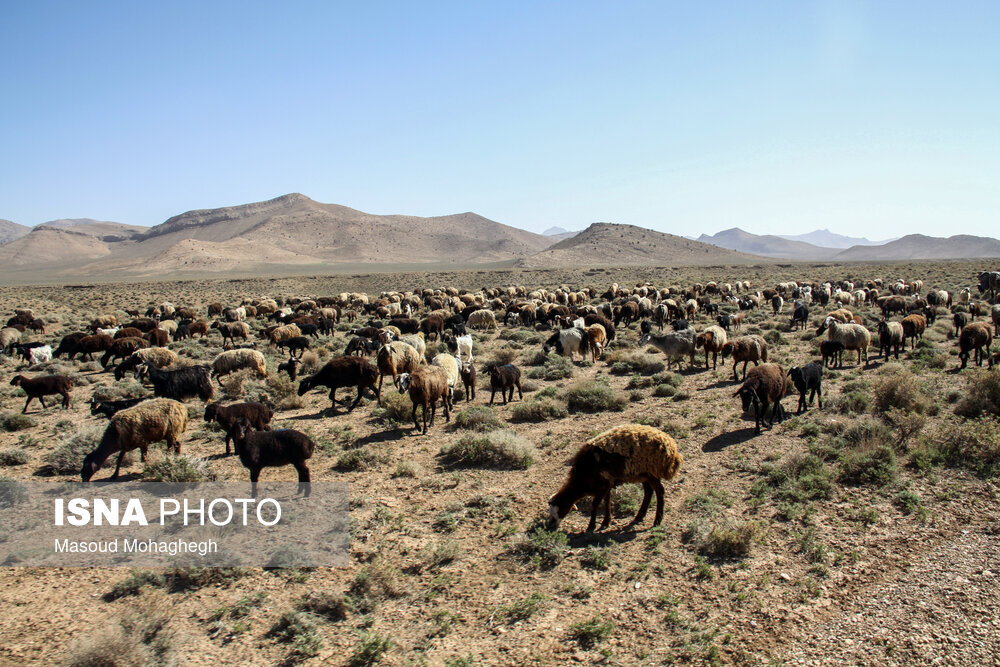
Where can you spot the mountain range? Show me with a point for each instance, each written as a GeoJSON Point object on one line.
{"type": "Point", "coordinates": [293, 233]}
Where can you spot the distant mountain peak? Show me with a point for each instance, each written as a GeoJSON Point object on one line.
{"type": "Point", "coordinates": [554, 231]}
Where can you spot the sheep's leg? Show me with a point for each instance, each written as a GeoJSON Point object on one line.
{"type": "Point", "coordinates": [818, 391]}
{"type": "Point", "coordinates": [801, 406]}
{"type": "Point", "coordinates": [520, 396]}
{"type": "Point", "coordinates": [413, 415]}
{"type": "Point", "coordinates": [333, 398]}
{"type": "Point", "coordinates": [434, 408]}
{"type": "Point", "coordinates": [65, 403]}
{"type": "Point", "coordinates": [41, 399]}
{"type": "Point", "coordinates": [493, 392]}
{"type": "Point", "coordinates": [254, 476]}
{"type": "Point", "coordinates": [607, 508]}
{"type": "Point", "coordinates": [647, 494]}
{"type": "Point", "coordinates": [744, 368]}
{"type": "Point", "coordinates": [379, 392]}
{"type": "Point", "coordinates": [228, 439]}
{"type": "Point", "coordinates": [118, 465]}
{"type": "Point", "coordinates": [25, 410]}
{"type": "Point", "coordinates": [303, 470]}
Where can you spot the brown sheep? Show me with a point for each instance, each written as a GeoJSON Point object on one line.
{"type": "Point", "coordinates": [746, 349]}
{"type": "Point", "coordinates": [426, 385]}
{"type": "Point", "coordinates": [764, 385]}
{"type": "Point", "coordinates": [913, 328]}
{"type": "Point", "coordinates": [45, 385]}
{"type": "Point", "coordinates": [393, 359]}
{"type": "Point", "coordinates": [975, 339]}
{"type": "Point", "coordinates": [713, 338]}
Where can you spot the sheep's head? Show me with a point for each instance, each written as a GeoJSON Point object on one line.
{"type": "Point", "coordinates": [404, 382]}
{"type": "Point", "coordinates": [305, 385]}
{"type": "Point", "coordinates": [16, 380]}
{"type": "Point", "coordinates": [644, 339]}
{"type": "Point", "coordinates": [748, 396]}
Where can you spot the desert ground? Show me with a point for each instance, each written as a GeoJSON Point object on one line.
{"type": "Point", "coordinates": [865, 532]}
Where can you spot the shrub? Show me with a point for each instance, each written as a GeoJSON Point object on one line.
{"type": "Point", "coordinates": [299, 629]}
{"type": "Point", "coordinates": [875, 465]}
{"type": "Point", "coordinates": [499, 449]}
{"type": "Point", "coordinates": [142, 637]}
{"type": "Point", "coordinates": [362, 458]}
{"type": "Point", "coordinates": [120, 390]}
{"type": "Point", "coordinates": [554, 367]}
{"type": "Point", "coordinates": [907, 501]}
{"type": "Point", "coordinates": [326, 605]}
{"type": "Point", "coordinates": [982, 395]}
{"type": "Point", "coordinates": [12, 492]}
{"type": "Point", "coordinates": [134, 583]}
{"type": "Point", "coordinates": [478, 418]}
{"type": "Point", "coordinates": [591, 632]}
{"type": "Point", "coordinates": [541, 547]}
{"type": "Point", "coordinates": [374, 583]}
{"type": "Point", "coordinates": [799, 478]}
{"type": "Point", "coordinates": [538, 411]}
{"type": "Point", "coordinates": [627, 362]}
{"type": "Point", "coordinates": [179, 468]}
{"type": "Point", "coordinates": [521, 610]}
{"type": "Point", "coordinates": [370, 649]}
{"type": "Point", "coordinates": [898, 388]}
{"type": "Point", "coordinates": [505, 355]}
{"type": "Point", "coordinates": [664, 390]}
{"type": "Point", "coordinates": [395, 406]}
{"type": "Point", "coordinates": [13, 456]}
{"type": "Point", "coordinates": [594, 396]}
{"type": "Point", "coordinates": [67, 457]}
{"type": "Point", "coordinates": [972, 444]}
{"type": "Point", "coordinates": [407, 469]}
{"type": "Point", "coordinates": [733, 539]}
{"type": "Point", "coordinates": [15, 421]}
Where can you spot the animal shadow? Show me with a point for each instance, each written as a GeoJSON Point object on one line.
{"type": "Point", "coordinates": [723, 440]}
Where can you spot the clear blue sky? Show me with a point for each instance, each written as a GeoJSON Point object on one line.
{"type": "Point", "coordinates": [874, 119]}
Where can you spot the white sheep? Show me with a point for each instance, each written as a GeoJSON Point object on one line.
{"type": "Point", "coordinates": [482, 319]}
{"type": "Point", "coordinates": [853, 336]}
{"type": "Point", "coordinates": [460, 346]}
{"type": "Point", "coordinates": [231, 361]}
{"type": "Point", "coordinates": [40, 354]}
{"type": "Point", "coordinates": [9, 336]}
{"type": "Point", "coordinates": [416, 341]}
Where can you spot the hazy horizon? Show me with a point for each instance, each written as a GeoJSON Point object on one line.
{"type": "Point", "coordinates": [871, 120]}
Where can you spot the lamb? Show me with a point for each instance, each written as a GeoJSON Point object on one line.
{"type": "Point", "coordinates": [764, 384]}
{"type": "Point", "coordinates": [468, 374]}
{"type": "Point", "coordinates": [257, 415]}
{"type": "Point", "coordinates": [230, 331]}
{"type": "Point", "coordinates": [975, 338]}
{"type": "Point", "coordinates": [746, 349]}
{"type": "Point", "coordinates": [393, 359]}
{"type": "Point", "coordinates": [272, 449]}
{"type": "Point", "coordinates": [137, 428]}
{"type": "Point", "coordinates": [711, 339]}
{"type": "Point", "coordinates": [179, 383]}
{"type": "Point", "coordinates": [502, 378]}
{"type": "Point", "coordinates": [960, 320]}
{"type": "Point", "coordinates": [674, 344]}
{"type": "Point", "coordinates": [160, 357]}
{"type": "Point", "coordinates": [808, 378]}
{"type": "Point", "coordinates": [482, 319]}
{"type": "Point", "coordinates": [891, 337]}
{"type": "Point", "coordinates": [913, 328]}
{"type": "Point", "coordinates": [597, 339]}
{"type": "Point", "coordinates": [342, 372]}
{"type": "Point", "coordinates": [42, 386]}
{"type": "Point", "coordinates": [122, 348]}
{"type": "Point", "coordinates": [110, 408]}
{"type": "Point", "coordinates": [853, 336]}
{"type": "Point", "coordinates": [291, 367]}
{"type": "Point", "coordinates": [295, 344]}
{"type": "Point", "coordinates": [361, 346]}
{"type": "Point", "coordinates": [426, 385]}
{"type": "Point", "coordinates": [460, 345]}
{"type": "Point", "coordinates": [231, 361]}
{"type": "Point", "coordinates": [833, 353]}
{"type": "Point", "coordinates": [568, 342]}
{"type": "Point", "coordinates": [625, 454]}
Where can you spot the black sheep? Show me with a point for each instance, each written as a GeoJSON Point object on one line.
{"type": "Point", "coordinates": [272, 449]}
{"type": "Point", "coordinates": [69, 345]}
{"type": "Point", "coordinates": [342, 372]}
{"type": "Point", "coordinates": [179, 383]}
{"type": "Point", "coordinates": [295, 344]}
{"type": "Point", "coordinates": [800, 316]}
{"type": "Point", "coordinates": [764, 385]}
{"type": "Point", "coordinates": [291, 367]}
{"type": "Point", "coordinates": [406, 325]}
{"type": "Point", "coordinates": [309, 329]}
{"type": "Point", "coordinates": [468, 374]}
{"type": "Point", "coordinates": [725, 321]}
{"type": "Point", "coordinates": [808, 378]}
{"type": "Point", "coordinates": [680, 324]}
{"type": "Point", "coordinates": [503, 378]}
{"type": "Point", "coordinates": [360, 345]}
{"type": "Point", "coordinates": [832, 351]}
{"type": "Point", "coordinates": [595, 318]}
{"type": "Point", "coordinates": [256, 414]}
{"type": "Point", "coordinates": [110, 408]}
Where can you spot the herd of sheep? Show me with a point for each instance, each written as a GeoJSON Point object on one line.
{"type": "Point", "coordinates": [388, 338]}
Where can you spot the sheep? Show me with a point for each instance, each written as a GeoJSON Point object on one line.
{"type": "Point", "coordinates": [674, 344]}
{"type": "Point", "coordinates": [361, 346]}
{"type": "Point", "coordinates": [160, 357]}
{"type": "Point", "coordinates": [853, 336]}
{"type": "Point", "coordinates": [283, 333]}
{"type": "Point", "coordinates": [103, 321]}
{"type": "Point", "coordinates": [432, 324]}
{"type": "Point", "coordinates": [235, 314]}
{"type": "Point", "coordinates": [35, 353]}
{"type": "Point", "coordinates": [179, 383]}
{"type": "Point", "coordinates": [568, 342]}
{"type": "Point", "coordinates": [70, 344]}
{"type": "Point", "coordinates": [110, 408]}
{"type": "Point", "coordinates": [393, 359]}
{"type": "Point", "coordinates": [482, 319]}
{"type": "Point", "coordinates": [257, 414]}
{"type": "Point", "coordinates": [291, 367]}
{"type": "Point", "coordinates": [808, 378]}
{"type": "Point", "coordinates": [143, 324]}
{"type": "Point", "coordinates": [833, 353]}
{"type": "Point", "coordinates": [231, 361]}
{"type": "Point", "coordinates": [459, 346]}
{"type": "Point", "coordinates": [426, 385]}
{"type": "Point", "coordinates": [626, 313]}
{"type": "Point", "coordinates": [137, 428]}
{"type": "Point", "coordinates": [127, 332]}
{"type": "Point", "coordinates": [711, 339]}
{"type": "Point", "coordinates": [122, 348]}
{"type": "Point", "coordinates": [597, 339]}
{"type": "Point", "coordinates": [975, 338]}
{"type": "Point", "coordinates": [416, 341]}
{"type": "Point", "coordinates": [502, 378]}
{"type": "Point", "coordinates": [995, 316]}
{"type": "Point", "coordinates": [468, 374]}
{"type": "Point", "coordinates": [624, 454]}
{"type": "Point", "coordinates": [994, 360]}
{"type": "Point", "coordinates": [451, 365]}
{"type": "Point", "coordinates": [9, 337]}
{"type": "Point", "coordinates": [295, 344]}
{"type": "Point", "coordinates": [406, 325]}
{"type": "Point", "coordinates": [272, 449]}
{"type": "Point", "coordinates": [960, 320]}
{"type": "Point", "coordinates": [913, 328]}
{"type": "Point", "coordinates": [230, 330]}
{"type": "Point", "coordinates": [890, 337]}
{"type": "Point", "coordinates": [764, 384]}
{"type": "Point", "coordinates": [42, 386]}
{"type": "Point", "coordinates": [595, 318]}
{"type": "Point", "coordinates": [777, 303]}
{"type": "Point", "coordinates": [800, 316]}
{"type": "Point", "coordinates": [746, 349]}
{"type": "Point", "coordinates": [342, 372]}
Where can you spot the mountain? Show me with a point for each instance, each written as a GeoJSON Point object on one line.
{"type": "Point", "coordinates": [918, 246]}
{"type": "Point", "coordinates": [767, 245]}
{"type": "Point", "coordinates": [608, 244]}
{"type": "Point", "coordinates": [10, 231]}
{"type": "Point", "coordinates": [827, 239]}
{"type": "Point", "coordinates": [289, 230]}
{"type": "Point", "coordinates": [554, 231]}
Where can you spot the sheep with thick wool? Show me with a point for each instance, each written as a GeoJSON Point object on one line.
{"type": "Point", "coordinates": [482, 319]}
{"type": "Point", "coordinates": [674, 344]}
{"type": "Point", "coordinates": [913, 328]}
{"type": "Point", "coordinates": [890, 337]}
{"type": "Point", "coordinates": [853, 336]}
{"type": "Point", "coordinates": [451, 365]}
{"type": "Point", "coordinates": [625, 454]}
{"type": "Point", "coordinates": [746, 349]}
{"type": "Point", "coordinates": [975, 341]}
{"type": "Point", "coordinates": [231, 361]}
{"type": "Point", "coordinates": [137, 428]}
{"type": "Point", "coordinates": [712, 339]}
{"type": "Point", "coordinates": [425, 386]}
{"type": "Point", "coordinates": [284, 332]}
{"type": "Point", "coordinates": [597, 337]}
{"type": "Point", "coordinates": [764, 385]}
{"type": "Point", "coordinates": [160, 357]}
{"type": "Point", "coordinates": [395, 358]}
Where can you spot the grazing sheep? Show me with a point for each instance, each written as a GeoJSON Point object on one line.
{"type": "Point", "coordinates": [342, 372]}
{"type": "Point", "coordinates": [235, 314]}
{"type": "Point", "coordinates": [179, 383]}
{"type": "Point", "coordinates": [257, 415]}
{"type": "Point", "coordinates": [674, 344]}
{"type": "Point", "coordinates": [482, 319]}
{"type": "Point", "coordinates": [295, 344]}
{"type": "Point", "coordinates": [567, 342]}
{"type": "Point", "coordinates": [158, 337]}
{"type": "Point", "coordinates": [806, 379]}
{"type": "Point", "coordinates": [975, 338]}
{"type": "Point", "coordinates": [393, 359]}
{"type": "Point", "coordinates": [833, 353]}
{"type": "Point", "coordinates": [282, 333]}
{"type": "Point", "coordinates": [994, 360]}
{"type": "Point", "coordinates": [800, 316]}
{"type": "Point", "coordinates": [272, 449]}
{"type": "Point", "coordinates": [110, 408]}
{"type": "Point", "coordinates": [69, 344]}
{"type": "Point", "coordinates": [459, 346]}
{"type": "Point", "coordinates": [626, 313]}
{"type": "Point", "coordinates": [853, 336]}
{"type": "Point", "coordinates": [621, 455]}
{"type": "Point", "coordinates": [103, 322]}
{"type": "Point", "coordinates": [35, 353]}
{"type": "Point", "coordinates": [122, 348]}
{"type": "Point", "coordinates": [595, 318]}
{"type": "Point", "coordinates": [416, 341]}
{"type": "Point", "coordinates": [764, 385]}
{"type": "Point", "coordinates": [426, 385]}
{"type": "Point", "coordinates": [502, 379]}
{"type": "Point", "coordinates": [406, 325]}
{"type": "Point", "coordinates": [231, 330]}
{"type": "Point", "coordinates": [9, 337]}
{"type": "Point", "coordinates": [890, 337]}
{"type": "Point", "coordinates": [127, 332]}
{"type": "Point", "coordinates": [231, 361]}
{"type": "Point", "coordinates": [468, 374]}
{"type": "Point", "coordinates": [137, 428]}
{"type": "Point", "coordinates": [913, 328]}
{"type": "Point", "coordinates": [597, 339]}
{"type": "Point", "coordinates": [160, 357]}
{"type": "Point", "coordinates": [746, 349]}
{"type": "Point", "coordinates": [432, 325]}
{"type": "Point", "coordinates": [712, 339]}
{"type": "Point", "coordinates": [777, 303]}
{"type": "Point", "coordinates": [42, 386]}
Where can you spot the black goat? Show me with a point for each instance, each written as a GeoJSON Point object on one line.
{"type": "Point", "coordinates": [503, 378]}
{"type": "Point", "coordinates": [109, 408]}
{"type": "Point", "coordinates": [179, 383]}
{"type": "Point", "coordinates": [800, 316]}
{"type": "Point", "coordinates": [808, 378]}
{"type": "Point", "coordinates": [342, 372]}
{"type": "Point", "coordinates": [272, 449]}
{"type": "Point", "coordinates": [832, 351]}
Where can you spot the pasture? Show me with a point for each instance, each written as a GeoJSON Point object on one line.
{"type": "Point", "coordinates": [865, 532]}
